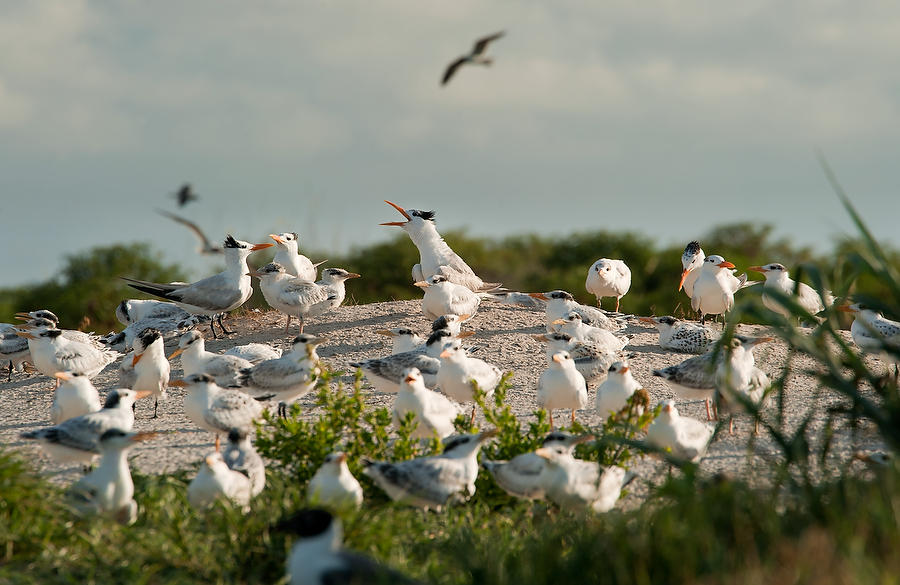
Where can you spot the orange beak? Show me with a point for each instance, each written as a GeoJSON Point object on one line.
{"type": "Point", "coordinates": [260, 247]}
{"type": "Point", "coordinates": [254, 273]}
{"type": "Point", "coordinates": [137, 358]}
{"type": "Point", "coordinates": [725, 264]}
{"type": "Point", "coordinates": [625, 369]}
{"type": "Point", "coordinates": [353, 275]}
{"type": "Point", "coordinates": [684, 274]}
{"type": "Point", "coordinates": [62, 376]}
{"type": "Point", "coordinates": [25, 334]}
{"type": "Point", "coordinates": [176, 353]}
{"type": "Point", "coordinates": [540, 296]}
{"type": "Point", "coordinates": [446, 353]}
{"type": "Point", "coordinates": [557, 359]}
{"type": "Point", "coordinates": [411, 379]}
{"type": "Point", "coordinates": [421, 284]}
{"type": "Point", "coordinates": [464, 334]}
{"type": "Point", "coordinates": [844, 308]}
{"type": "Point", "coordinates": [276, 238]}
{"type": "Point", "coordinates": [757, 269]}
{"type": "Point", "coordinates": [178, 383]}
{"type": "Point", "coordinates": [647, 320]}
{"type": "Point", "coordinates": [402, 212]}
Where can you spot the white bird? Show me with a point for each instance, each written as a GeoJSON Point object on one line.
{"type": "Point", "coordinates": [386, 373]}
{"type": "Point", "coordinates": [224, 369]}
{"type": "Point", "coordinates": [560, 303]}
{"type": "Point", "coordinates": [214, 481]}
{"type": "Point", "coordinates": [578, 485]}
{"type": "Point", "coordinates": [71, 334]}
{"type": "Point", "coordinates": [591, 361]}
{"type": "Point", "coordinates": [523, 475]}
{"type": "Point", "coordinates": [52, 352]}
{"type": "Point", "coordinates": [74, 397]}
{"type": "Point", "coordinates": [151, 368]}
{"type": "Point", "coordinates": [474, 57]}
{"type": "Point", "coordinates": [681, 336]}
{"type": "Point", "coordinates": [738, 380]}
{"type": "Point", "coordinates": [76, 439]}
{"type": "Point", "coordinates": [215, 295]}
{"type": "Point", "coordinates": [714, 288]}
{"type": "Point", "coordinates": [692, 262]}
{"type": "Point", "coordinates": [285, 379]}
{"type": "Point", "coordinates": [318, 558]}
{"type": "Point", "coordinates": [333, 486]}
{"type": "Point", "coordinates": [403, 339]}
{"type": "Point", "coordinates": [694, 378]}
{"type": "Point", "coordinates": [108, 490]}
{"type": "Point", "coordinates": [777, 278]}
{"type": "Point", "coordinates": [215, 409]}
{"type": "Point", "coordinates": [443, 297]}
{"type": "Point", "coordinates": [289, 256]}
{"type": "Point", "coordinates": [433, 482]}
{"type": "Point", "coordinates": [131, 311]}
{"type": "Point", "coordinates": [872, 332]}
{"type": "Point", "coordinates": [239, 455]}
{"type": "Point", "coordinates": [561, 386]}
{"type": "Point", "coordinates": [574, 326]}
{"type": "Point", "coordinates": [255, 352]}
{"type": "Point", "coordinates": [452, 324]}
{"type": "Point", "coordinates": [434, 253]}
{"type": "Point", "coordinates": [300, 298]}
{"type": "Point", "coordinates": [13, 349]}
{"type": "Point", "coordinates": [458, 371]}
{"type": "Point", "coordinates": [608, 278]}
{"type": "Point", "coordinates": [684, 437]}
{"type": "Point", "coordinates": [614, 392]}
{"type": "Point", "coordinates": [433, 413]}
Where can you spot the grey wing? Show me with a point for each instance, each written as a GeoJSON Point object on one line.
{"type": "Point", "coordinates": [276, 374]}
{"type": "Point", "coordinates": [392, 367]}
{"type": "Point", "coordinates": [303, 292]}
{"type": "Point", "coordinates": [696, 372]}
{"type": "Point", "coordinates": [232, 409]}
{"type": "Point", "coordinates": [82, 432]}
{"type": "Point", "coordinates": [429, 479]}
{"type": "Point", "coordinates": [519, 476]}
{"type": "Point", "coordinates": [207, 245]}
{"type": "Point", "coordinates": [213, 293]}
{"type": "Point", "coordinates": [451, 70]}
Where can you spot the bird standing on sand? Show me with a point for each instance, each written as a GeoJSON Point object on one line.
{"type": "Point", "coordinates": [474, 57]}
{"type": "Point", "coordinates": [561, 386]}
{"type": "Point", "coordinates": [215, 480]}
{"type": "Point", "coordinates": [574, 326]}
{"type": "Point", "coordinates": [458, 371]}
{"type": "Point", "coordinates": [215, 409]}
{"type": "Point", "coordinates": [715, 287]}
{"type": "Point", "coordinates": [608, 278]}
{"type": "Point", "coordinates": [777, 278]}
{"type": "Point", "coordinates": [52, 352]}
{"type": "Point", "coordinates": [151, 368]}
{"type": "Point", "coordinates": [738, 380]}
{"type": "Point", "coordinates": [287, 378]}
{"type": "Point", "coordinates": [560, 303]}
{"type": "Point", "coordinates": [443, 297]}
{"type": "Point", "coordinates": [74, 397]}
{"type": "Point", "coordinates": [872, 332]}
{"type": "Point", "coordinates": [684, 437]}
{"type": "Point", "coordinates": [224, 369]}
{"type": "Point", "coordinates": [215, 295]}
{"type": "Point", "coordinates": [614, 392]}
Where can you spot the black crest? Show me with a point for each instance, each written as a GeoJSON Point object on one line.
{"type": "Point", "coordinates": [437, 336]}
{"type": "Point", "coordinates": [230, 242]}
{"type": "Point", "coordinates": [426, 215]}
{"type": "Point", "coordinates": [692, 248]}
{"type": "Point", "coordinates": [148, 336]}
{"type": "Point", "coordinates": [451, 443]}
{"type": "Point", "coordinates": [236, 435]}
{"type": "Point", "coordinates": [112, 399]}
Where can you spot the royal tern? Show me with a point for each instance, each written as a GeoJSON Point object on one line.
{"type": "Point", "coordinates": [215, 409]}
{"type": "Point", "coordinates": [108, 490]}
{"type": "Point", "coordinates": [333, 486]}
{"type": "Point", "coordinates": [451, 323]}
{"type": "Point", "coordinates": [76, 439]}
{"type": "Point", "coordinates": [13, 349]}
{"type": "Point", "coordinates": [574, 326]}
{"type": "Point", "coordinates": [215, 295]}
{"type": "Point", "coordinates": [300, 298]}
{"type": "Point", "coordinates": [289, 256]}
{"type": "Point", "coordinates": [591, 361]}
{"type": "Point", "coordinates": [738, 380]}
{"type": "Point", "coordinates": [608, 278]}
{"type": "Point", "coordinates": [777, 278]}
{"type": "Point", "coordinates": [32, 318]}
{"type": "Point", "coordinates": [614, 392]}
{"type": "Point", "coordinates": [287, 378]}
{"type": "Point", "coordinates": [433, 482]}
{"type": "Point", "coordinates": [185, 195]}
{"type": "Point", "coordinates": [561, 386]}
{"type": "Point", "coordinates": [214, 481]}
{"type": "Point", "coordinates": [443, 297]}
{"type": "Point", "coordinates": [403, 339]}
{"type": "Point", "coordinates": [560, 303]}
{"type": "Point", "coordinates": [474, 57]}
{"type": "Point", "coordinates": [433, 412]}
{"type": "Point", "coordinates": [578, 485]}
{"type": "Point", "coordinates": [206, 245]}
{"type": "Point", "coordinates": [52, 352]}
{"type": "Point", "coordinates": [74, 397]}
{"type": "Point", "coordinates": [133, 310]}
{"type": "Point", "coordinates": [692, 262]}
{"type": "Point", "coordinates": [386, 373]}
{"type": "Point", "coordinates": [318, 558]}
{"type": "Point", "coordinates": [458, 372]}
{"type": "Point", "coordinates": [684, 437]}
{"type": "Point", "coordinates": [681, 336]}
{"type": "Point", "coordinates": [435, 256]}
{"type": "Point", "coordinates": [523, 475]}
{"type": "Point", "coordinates": [224, 369]}
{"type": "Point", "coordinates": [239, 455]}
{"type": "Point", "coordinates": [151, 368]}
{"type": "Point", "coordinates": [694, 378]}
{"type": "Point", "coordinates": [873, 333]}
{"type": "Point", "coordinates": [255, 352]}
{"type": "Point", "coordinates": [518, 299]}
{"type": "Point", "coordinates": [715, 287]}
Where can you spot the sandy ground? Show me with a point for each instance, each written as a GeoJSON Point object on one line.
{"type": "Point", "coordinates": [504, 334]}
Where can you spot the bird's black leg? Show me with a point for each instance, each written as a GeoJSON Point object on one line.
{"type": "Point", "coordinates": [156, 407]}
{"type": "Point", "coordinates": [9, 376]}
{"type": "Point", "coordinates": [212, 326]}
{"type": "Point", "coordinates": [222, 326]}
{"type": "Point", "coordinates": [282, 410]}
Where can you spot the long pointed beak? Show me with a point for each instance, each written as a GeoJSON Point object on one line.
{"type": "Point", "coordinates": [648, 320]}
{"type": "Point", "coordinates": [385, 332]}
{"type": "Point", "coordinates": [178, 383]}
{"type": "Point", "coordinates": [144, 436]}
{"type": "Point", "coordinates": [446, 353]}
{"type": "Point", "coordinates": [725, 264]}
{"type": "Point", "coordinates": [401, 210]}
{"type": "Point", "coordinates": [137, 358]}
{"type": "Point", "coordinates": [464, 334]}
{"type": "Point", "coordinates": [260, 247]}
{"type": "Point", "coordinates": [62, 376]}
{"type": "Point", "coordinates": [540, 296]}
{"type": "Point", "coordinates": [556, 358]}
{"type": "Point", "coordinates": [583, 439]}
{"type": "Point", "coordinates": [757, 269]}
{"type": "Point", "coordinates": [465, 317]}
{"type": "Point", "coordinates": [421, 284]}
{"type": "Point", "coordinates": [176, 353]}
{"type": "Point", "coordinates": [276, 238]}
{"type": "Point", "coordinates": [543, 453]}
{"type": "Point", "coordinates": [559, 322]}
{"type": "Point", "coordinates": [846, 308]}
{"type": "Point", "coordinates": [353, 275]}
{"type": "Point", "coordinates": [25, 334]}
{"type": "Point", "coordinates": [254, 273]}
{"type": "Point", "coordinates": [623, 370]}
{"type": "Point", "coordinates": [759, 340]}
{"type": "Point", "coordinates": [684, 274]}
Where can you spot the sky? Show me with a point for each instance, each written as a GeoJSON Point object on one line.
{"type": "Point", "coordinates": [660, 117]}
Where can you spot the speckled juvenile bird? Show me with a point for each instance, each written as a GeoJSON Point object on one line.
{"type": "Point", "coordinates": [289, 256]}
{"type": "Point", "coordinates": [574, 326]}
{"type": "Point", "coordinates": [215, 409]}
{"type": "Point", "coordinates": [560, 303]}
{"type": "Point", "coordinates": [681, 336]}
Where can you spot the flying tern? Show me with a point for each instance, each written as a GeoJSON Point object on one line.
{"type": "Point", "coordinates": [474, 57]}
{"type": "Point", "coordinates": [206, 245]}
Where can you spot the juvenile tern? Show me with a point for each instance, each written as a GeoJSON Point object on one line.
{"type": "Point", "coordinates": [523, 475]}
{"type": "Point", "coordinates": [694, 378]}
{"type": "Point", "coordinates": [108, 490]}
{"type": "Point", "coordinates": [451, 323]}
{"type": "Point", "coordinates": [458, 372]}
{"type": "Point", "coordinates": [403, 339]}
{"type": "Point", "coordinates": [473, 57]}
{"type": "Point", "coordinates": [333, 486]}
{"type": "Point", "coordinates": [872, 332]}
{"type": "Point", "coordinates": [574, 326]}
{"type": "Point", "coordinates": [215, 295]}
{"type": "Point", "coordinates": [206, 245]}
{"type": "Point", "coordinates": [289, 256]}
{"type": "Point", "coordinates": [608, 278]}
{"type": "Point", "coordinates": [433, 413]}
{"type": "Point", "coordinates": [777, 278]}
{"type": "Point", "coordinates": [32, 317]}
{"type": "Point", "coordinates": [560, 303]}
{"type": "Point", "coordinates": [738, 378]}
{"type": "Point", "coordinates": [714, 288]}
{"type": "Point", "coordinates": [287, 378]}
{"type": "Point", "coordinates": [74, 397]}
{"type": "Point", "coordinates": [52, 352]}
{"type": "Point", "coordinates": [133, 310]}
{"type": "Point", "coordinates": [215, 409]}
{"type": "Point", "coordinates": [151, 368]}
{"type": "Point", "coordinates": [254, 352]}
{"type": "Point", "coordinates": [561, 386]}
{"type": "Point", "coordinates": [13, 349]}
{"type": "Point", "coordinates": [433, 482]}
{"type": "Point", "coordinates": [443, 297]}
{"type": "Point", "coordinates": [76, 439]}
{"type": "Point", "coordinates": [684, 437]}
{"type": "Point", "coordinates": [214, 481]}
{"type": "Point", "coordinates": [224, 369]}
{"type": "Point", "coordinates": [239, 455]}
{"type": "Point", "coordinates": [578, 485]}
{"type": "Point", "coordinates": [434, 254]}
{"type": "Point", "coordinates": [681, 336]}
{"type": "Point", "coordinates": [386, 373]}
{"type": "Point", "coordinates": [591, 361]}
{"type": "Point", "coordinates": [300, 298]}
{"type": "Point", "coordinates": [318, 558]}
{"type": "Point", "coordinates": [614, 392]}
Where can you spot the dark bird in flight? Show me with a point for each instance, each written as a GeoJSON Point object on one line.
{"type": "Point", "coordinates": [185, 195]}
{"type": "Point", "coordinates": [206, 246]}
{"type": "Point", "coordinates": [476, 57]}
